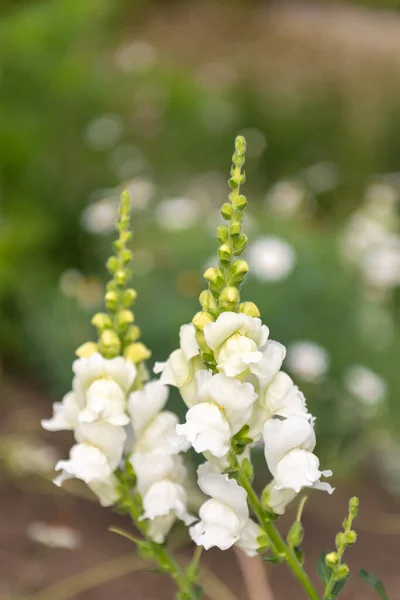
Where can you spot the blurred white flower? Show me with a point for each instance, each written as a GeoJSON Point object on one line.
{"type": "Point", "coordinates": [176, 214]}
{"type": "Point", "coordinates": [271, 258]}
{"type": "Point", "coordinates": [381, 265]}
{"type": "Point", "coordinates": [99, 217]}
{"type": "Point", "coordinates": [104, 131]}
{"type": "Point", "coordinates": [360, 234]}
{"type": "Point", "coordinates": [54, 536]}
{"type": "Point", "coordinates": [27, 457]}
{"type": "Point", "coordinates": [365, 385]}
{"type": "Point", "coordinates": [134, 57]}
{"type": "Point", "coordinates": [127, 161]}
{"type": "Point", "coordinates": [70, 281]}
{"type": "Point", "coordinates": [286, 198]}
{"type": "Point", "coordinates": [322, 177]}
{"type": "Point", "coordinates": [381, 195]}
{"type": "Point", "coordinates": [307, 360]}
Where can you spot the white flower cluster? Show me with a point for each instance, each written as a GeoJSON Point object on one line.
{"type": "Point", "coordinates": [111, 424]}
{"type": "Point", "coordinates": [246, 388]}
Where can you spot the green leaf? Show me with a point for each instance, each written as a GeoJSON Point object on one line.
{"type": "Point", "coordinates": [337, 588]}
{"type": "Point", "coordinates": [275, 559]}
{"type": "Point", "coordinates": [322, 570]}
{"type": "Point", "coordinates": [374, 582]}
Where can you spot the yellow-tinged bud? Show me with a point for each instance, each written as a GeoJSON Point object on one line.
{"type": "Point", "coordinates": [235, 228]}
{"type": "Point", "coordinates": [112, 264]}
{"type": "Point", "coordinates": [340, 540]}
{"type": "Point", "coordinates": [132, 335]}
{"type": "Point", "coordinates": [240, 244]}
{"type": "Point", "coordinates": [249, 308]}
{"type": "Point", "coordinates": [128, 297]}
{"type": "Point", "coordinates": [295, 535]}
{"type": "Point", "coordinates": [109, 344]}
{"type": "Point", "coordinates": [126, 255]}
{"type": "Point", "coordinates": [226, 211]}
{"type": "Point", "coordinates": [86, 350]}
{"type": "Point", "coordinates": [332, 560]}
{"type": "Point", "coordinates": [125, 318]}
{"type": "Point", "coordinates": [229, 297]}
{"type": "Point", "coordinates": [342, 572]}
{"type": "Point", "coordinates": [241, 202]}
{"type": "Point", "coordinates": [207, 301]}
{"type": "Point", "coordinates": [101, 321]}
{"type": "Point", "coordinates": [111, 300]}
{"type": "Point", "coordinates": [225, 253]}
{"type": "Point", "coordinates": [353, 506]}
{"type": "Point", "coordinates": [214, 275]}
{"type": "Point", "coordinates": [351, 537]}
{"type": "Point", "coordinates": [121, 277]}
{"type": "Point", "coordinates": [137, 352]}
{"type": "Point", "coordinates": [240, 144]}
{"type": "Point", "coordinates": [201, 319]}
{"type": "Point", "coordinates": [238, 270]}
{"type": "Point", "coordinates": [222, 233]}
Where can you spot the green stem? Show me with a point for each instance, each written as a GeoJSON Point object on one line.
{"type": "Point", "coordinates": [276, 539]}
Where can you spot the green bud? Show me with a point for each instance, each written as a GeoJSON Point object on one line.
{"type": "Point", "coordinates": [342, 572]}
{"type": "Point", "coordinates": [238, 270]}
{"type": "Point", "coordinates": [241, 202]}
{"type": "Point", "coordinates": [208, 302]}
{"type": "Point", "coordinates": [226, 211]}
{"type": "Point", "coordinates": [229, 297]}
{"type": "Point", "coordinates": [126, 255]}
{"type": "Point", "coordinates": [137, 352]}
{"type": "Point", "coordinates": [353, 506]}
{"type": "Point", "coordinates": [240, 244]}
{"type": "Point", "coordinates": [222, 234]}
{"type": "Point", "coordinates": [340, 540]}
{"type": "Point", "coordinates": [132, 335]}
{"type": "Point", "coordinates": [234, 182]}
{"type": "Point", "coordinates": [332, 560]}
{"type": "Point", "coordinates": [112, 264]}
{"type": "Point", "coordinates": [295, 534]}
{"type": "Point", "coordinates": [225, 253]}
{"type": "Point", "coordinates": [121, 277]}
{"type": "Point", "coordinates": [101, 321]}
{"type": "Point", "coordinates": [128, 297]}
{"type": "Point", "coordinates": [214, 275]}
{"type": "Point", "coordinates": [238, 159]}
{"type": "Point", "coordinates": [351, 537]}
{"type": "Point", "coordinates": [86, 350]}
{"type": "Point", "coordinates": [125, 318]}
{"type": "Point", "coordinates": [111, 300]}
{"type": "Point", "coordinates": [201, 319]}
{"type": "Point", "coordinates": [249, 308]}
{"type": "Point", "coordinates": [235, 229]}
{"type": "Point", "coordinates": [240, 144]}
{"type": "Point", "coordinates": [109, 343]}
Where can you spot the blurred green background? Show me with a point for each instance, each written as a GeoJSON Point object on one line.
{"type": "Point", "coordinates": [101, 95]}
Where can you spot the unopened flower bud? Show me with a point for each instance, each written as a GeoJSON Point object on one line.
{"type": "Point", "coordinates": [295, 535]}
{"type": "Point", "coordinates": [112, 264]}
{"type": "Point", "coordinates": [214, 275]}
{"type": "Point", "coordinates": [101, 321]}
{"type": "Point", "coordinates": [342, 572]}
{"type": "Point", "coordinates": [132, 335]}
{"type": "Point", "coordinates": [332, 560]}
{"type": "Point", "coordinates": [240, 144]}
{"type": "Point", "coordinates": [240, 244]}
{"type": "Point", "coordinates": [128, 297]}
{"type": "Point", "coordinates": [86, 350]}
{"type": "Point", "coordinates": [121, 277]}
{"type": "Point", "coordinates": [249, 308]}
{"type": "Point", "coordinates": [340, 540]}
{"type": "Point", "coordinates": [109, 343]}
{"type": "Point", "coordinates": [235, 228]}
{"type": "Point", "coordinates": [353, 506]}
{"type": "Point", "coordinates": [137, 352]}
{"type": "Point", "coordinates": [111, 300]}
{"type": "Point", "coordinates": [207, 301]}
{"type": "Point", "coordinates": [234, 182]}
{"type": "Point", "coordinates": [225, 253]}
{"type": "Point", "coordinates": [351, 538]}
{"type": "Point", "coordinates": [241, 202]}
{"type": "Point", "coordinates": [125, 318]}
{"type": "Point", "coordinates": [229, 297]}
{"type": "Point", "coordinates": [226, 211]}
{"type": "Point", "coordinates": [126, 255]}
{"type": "Point", "coordinates": [238, 270]}
{"type": "Point", "coordinates": [222, 233]}
{"type": "Point", "coordinates": [201, 319]}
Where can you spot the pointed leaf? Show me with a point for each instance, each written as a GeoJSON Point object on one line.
{"type": "Point", "coordinates": [322, 570]}
{"type": "Point", "coordinates": [374, 582]}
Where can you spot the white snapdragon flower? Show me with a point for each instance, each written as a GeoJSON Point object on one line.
{"type": "Point", "coordinates": [160, 481]}
{"type": "Point", "coordinates": [182, 365]}
{"type": "Point", "coordinates": [224, 406]}
{"type": "Point", "coordinates": [240, 344]}
{"type": "Point", "coordinates": [65, 413]}
{"type": "Point", "coordinates": [224, 518]}
{"type": "Point", "coordinates": [119, 370]}
{"type": "Point", "coordinates": [281, 397]}
{"type": "Point", "coordinates": [152, 426]}
{"type": "Point", "coordinates": [105, 400]}
{"type": "Point", "coordinates": [288, 451]}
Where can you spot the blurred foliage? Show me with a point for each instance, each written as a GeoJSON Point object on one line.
{"type": "Point", "coordinates": [59, 73]}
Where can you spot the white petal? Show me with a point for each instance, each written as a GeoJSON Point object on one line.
{"type": "Point", "coordinates": [282, 436]}
{"type": "Point", "coordinates": [280, 498]}
{"type": "Point", "coordinates": [206, 428]}
{"type": "Point", "coordinates": [159, 527]}
{"type": "Point", "coordinates": [155, 437]}
{"type": "Point", "coordinates": [226, 491]}
{"type": "Point", "coordinates": [297, 469]}
{"type": "Point", "coordinates": [248, 538]}
{"type": "Point", "coordinates": [151, 468]}
{"type": "Point", "coordinates": [105, 400]}
{"type": "Point", "coordinates": [65, 414]}
{"type": "Point", "coordinates": [270, 363]}
{"type": "Point", "coordinates": [108, 438]}
{"type": "Point", "coordinates": [145, 404]}
{"type": "Point", "coordinates": [85, 462]}
{"type": "Point", "coordinates": [106, 490]}
{"type": "Point", "coordinates": [189, 345]}
{"type": "Point", "coordinates": [87, 370]}
{"type": "Point", "coordinates": [226, 325]}
{"type": "Point", "coordinates": [219, 526]}
{"type": "Point", "coordinates": [164, 497]}
{"type": "Point", "coordinates": [282, 397]}
{"type": "Point", "coordinates": [235, 397]}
